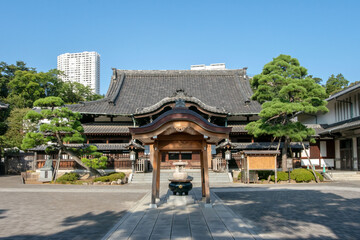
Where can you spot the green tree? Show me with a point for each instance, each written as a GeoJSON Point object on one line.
{"type": "Point", "coordinates": [57, 125]}
{"type": "Point", "coordinates": [7, 73]}
{"type": "Point", "coordinates": [15, 132]}
{"type": "Point", "coordinates": [28, 86]}
{"type": "Point", "coordinates": [74, 92]}
{"type": "Point", "coordinates": [336, 83]}
{"type": "Point", "coordinates": [316, 79]}
{"type": "Point", "coordinates": [284, 89]}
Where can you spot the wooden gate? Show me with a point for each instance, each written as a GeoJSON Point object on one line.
{"type": "Point", "coordinates": [219, 164]}
{"type": "Point", "coordinates": [141, 165]}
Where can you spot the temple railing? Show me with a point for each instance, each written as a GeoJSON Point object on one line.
{"type": "Point", "coordinates": [218, 164]}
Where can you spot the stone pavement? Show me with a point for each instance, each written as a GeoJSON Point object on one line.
{"type": "Point", "coordinates": [284, 211]}
{"type": "Point", "coordinates": [62, 211]}
{"type": "Point", "coordinates": [195, 221]}
{"type": "Point", "coordinates": [301, 211]}
{"type": "Point", "coordinates": [264, 211]}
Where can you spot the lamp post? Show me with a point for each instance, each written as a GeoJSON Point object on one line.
{"type": "Point", "coordinates": [227, 158]}
{"type": "Point", "coordinates": [133, 159]}
{"type": "Point", "coordinates": [243, 172]}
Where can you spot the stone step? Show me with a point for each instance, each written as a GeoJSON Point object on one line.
{"type": "Point", "coordinates": [164, 176]}
{"type": "Point", "coordinates": [345, 175]}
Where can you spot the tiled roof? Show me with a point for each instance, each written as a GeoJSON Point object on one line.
{"type": "Point", "coordinates": [106, 128]}
{"type": "Point", "coordinates": [347, 90]}
{"type": "Point", "coordinates": [130, 91]}
{"type": "Point", "coordinates": [261, 152]}
{"type": "Point", "coordinates": [265, 145]}
{"type": "Point", "coordinates": [241, 128]}
{"type": "Point", "coordinates": [238, 128]}
{"type": "Point", "coordinates": [317, 127]}
{"type": "Point", "coordinates": [100, 146]}
{"type": "Point", "coordinates": [344, 126]}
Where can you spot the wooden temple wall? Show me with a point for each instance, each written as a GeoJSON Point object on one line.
{"type": "Point", "coordinates": [115, 161]}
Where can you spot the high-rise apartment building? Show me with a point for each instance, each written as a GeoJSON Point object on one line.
{"type": "Point", "coordinates": [81, 67]}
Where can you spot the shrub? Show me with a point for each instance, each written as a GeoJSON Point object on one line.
{"type": "Point", "coordinates": [68, 178]}
{"type": "Point", "coordinates": [264, 174]}
{"type": "Point", "coordinates": [239, 176]}
{"type": "Point", "coordinates": [110, 177]}
{"type": "Point", "coordinates": [96, 163]}
{"type": "Point", "coordinates": [304, 175]}
{"type": "Point", "coordinates": [321, 178]}
{"type": "Point", "coordinates": [281, 176]}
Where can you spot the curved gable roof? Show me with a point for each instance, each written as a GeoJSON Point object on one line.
{"type": "Point", "coordinates": [132, 91]}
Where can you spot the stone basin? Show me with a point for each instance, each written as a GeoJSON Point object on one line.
{"type": "Point", "coordinates": [180, 182]}
{"type": "Point", "coordinates": [189, 179]}
{"type": "Point", "coordinates": [180, 163]}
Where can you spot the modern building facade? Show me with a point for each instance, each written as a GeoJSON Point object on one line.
{"type": "Point", "coordinates": [339, 129]}
{"type": "Point", "coordinates": [81, 67]}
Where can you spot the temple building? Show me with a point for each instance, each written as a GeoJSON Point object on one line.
{"type": "Point", "coordinates": [218, 101]}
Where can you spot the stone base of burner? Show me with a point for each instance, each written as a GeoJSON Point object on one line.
{"type": "Point", "coordinates": [180, 200]}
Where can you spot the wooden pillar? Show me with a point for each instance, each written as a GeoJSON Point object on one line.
{"type": "Point", "coordinates": [34, 162]}
{"type": "Point", "coordinates": [209, 155]}
{"type": "Point", "coordinates": [247, 170]}
{"type": "Point", "coordinates": [275, 169]}
{"type": "Point", "coordinates": [206, 174]}
{"type": "Point", "coordinates": [202, 171]}
{"type": "Point", "coordinates": [153, 156]}
{"type": "Point", "coordinates": [158, 172]}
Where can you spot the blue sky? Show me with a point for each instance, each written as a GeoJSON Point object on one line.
{"type": "Point", "coordinates": [323, 34]}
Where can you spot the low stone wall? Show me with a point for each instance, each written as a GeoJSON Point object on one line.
{"type": "Point", "coordinates": [18, 162]}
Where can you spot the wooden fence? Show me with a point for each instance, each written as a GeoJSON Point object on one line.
{"type": "Point", "coordinates": [67, 164]}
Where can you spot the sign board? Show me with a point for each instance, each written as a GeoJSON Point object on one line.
{"type": "Point", "coordinates": [261, 162]}
{"type": "Point", "coordinates": [289, 163]}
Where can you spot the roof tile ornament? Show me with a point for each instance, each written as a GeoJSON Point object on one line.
{"type": "Point", "coordinates": [180, 97]}
{"type": "Point", "coordinates": [180, 103]}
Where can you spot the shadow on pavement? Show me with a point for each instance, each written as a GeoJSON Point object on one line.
{"type": "Point", "coordinates": [298, 214]}
{"type": "Point", "coordinates": [86, 226]}
{"type": "Point", "coordinates": [2, 211]}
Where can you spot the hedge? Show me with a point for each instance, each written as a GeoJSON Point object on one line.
{"type": "Point", "coordinates": [281, 176]}
{"type": "Point", "coordinates": [110, 177]}
{"type": "Point", "coordinates": [304, 175]}
{"type": "Point", "coordinates": [68, 178]}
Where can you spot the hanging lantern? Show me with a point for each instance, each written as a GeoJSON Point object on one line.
{"type": "Point", "coordinates": [228, 155]}
{"type": "Point", "coordinates": [132, 156]}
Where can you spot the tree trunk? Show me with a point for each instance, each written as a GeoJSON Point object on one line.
{"type": "Point", "coordinates": [78, 161]}
{"type": "Point", "coordinates": [284, 154]}
{"type": "Point", "coordinates": [312, 166]}
{"type": "Point", "coordinates": [57, 165]}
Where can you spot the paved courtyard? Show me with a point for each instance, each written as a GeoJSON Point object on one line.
{"type": "Point", "coordinates": [62, 211]}
{"type": "Point", "coordinates": [302, 211]}
{"type": "Point", "coordinates": [297, 211]}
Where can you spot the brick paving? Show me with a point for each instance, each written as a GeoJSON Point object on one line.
{"type": "Point", "coordinates": [62, 211]}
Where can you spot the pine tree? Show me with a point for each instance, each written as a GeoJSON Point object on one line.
{"type": "Point", "coordinates": [285, 89]}
{"type": "Point", "coordinates": [54, 126]}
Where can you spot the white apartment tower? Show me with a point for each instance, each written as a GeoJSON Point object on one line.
{"type": "Point", "coordinates": [81, 67]}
